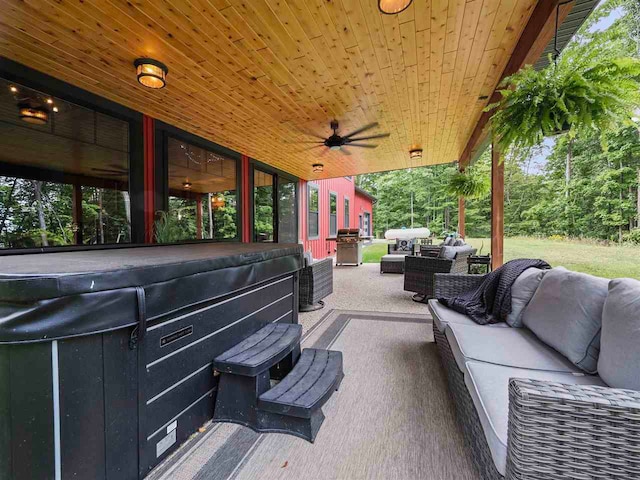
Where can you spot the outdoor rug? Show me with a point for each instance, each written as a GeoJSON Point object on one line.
{"type": "Point", "coordinates": [391, 419]}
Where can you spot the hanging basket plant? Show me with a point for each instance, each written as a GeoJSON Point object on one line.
{"type": "Point", "coordinates": [585, 89]}
{"type": "Point", "coordinates": [469, 184]}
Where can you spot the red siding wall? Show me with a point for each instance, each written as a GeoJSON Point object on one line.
{"type": "Point", "coordinates": [321, 247]}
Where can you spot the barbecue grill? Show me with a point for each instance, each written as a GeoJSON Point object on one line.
{"type": "Point", "coordinates": [349, 245]}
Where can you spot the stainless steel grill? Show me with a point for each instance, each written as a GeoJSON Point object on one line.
{"type": "Point", "coordinates": [349, 247]}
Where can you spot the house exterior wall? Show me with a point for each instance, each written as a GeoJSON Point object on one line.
{"type": "Point", "coordinates": [322, 246]}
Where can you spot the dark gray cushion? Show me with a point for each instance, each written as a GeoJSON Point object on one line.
{"type": "Point", "coordinates": [450, 253]}
{"type": "Point", "coordinates": [566, 314]}
{"type": "Point", "coordinates": [619, 361]}
{"type": "Point", "coordinates": [522, 291]}
{"type": "Point", "coordinates": [458, 242]}
{"type": "Point", "coordinates": [448, 242]}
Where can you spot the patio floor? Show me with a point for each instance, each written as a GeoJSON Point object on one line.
{"type": "Point", "coordinates": [391, 418]}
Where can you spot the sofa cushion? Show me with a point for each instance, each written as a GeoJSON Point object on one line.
{"type": "Point", "coordinates": [443, 316]}
{"type": "Point", "coordinates": [566, 314]}
{"type": "Point", "coordinates": [511, 347]}
{"type": "Point", "coordinates": [451, 252]}
{"type": "Point", "coordinates": [448, 241]}
{"type": "Point", "coordinates": [488, 386]}
{"type": "Point", "coordinates": [522, 291]}
{"type": "Point", "coordinates": [458, 242]}
{"type": "Point", "coordinates": [620, 342]}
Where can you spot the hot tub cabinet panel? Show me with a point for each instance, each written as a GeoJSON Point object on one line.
{"type": "Point", "coordinates": [106, 364]}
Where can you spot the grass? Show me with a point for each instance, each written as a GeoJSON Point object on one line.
{"type": "Point", "coordinates": [581, 256]}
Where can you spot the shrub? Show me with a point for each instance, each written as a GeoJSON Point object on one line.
{"type": "Point", "coordinates": [633, 236]}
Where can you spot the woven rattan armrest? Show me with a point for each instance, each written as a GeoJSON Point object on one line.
{"type": "Point", "coordinates": [572, 431]}
{"type": "Point", "coordinates": [452, 284]}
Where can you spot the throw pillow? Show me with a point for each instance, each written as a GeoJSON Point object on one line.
{"type": "Point", "coordinates": [404, 245]}
{"type": "Point", "coordinates": [619, 345]}
{"type": "Point", "coordinates": [566, 314]}
{"type": "Point", "coordinates": [522, 291]}
{"type": "Point", "coordinates": [458, 242]}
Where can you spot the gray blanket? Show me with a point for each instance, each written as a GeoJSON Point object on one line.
{"type": "Point", "coordinates": [491, 301]}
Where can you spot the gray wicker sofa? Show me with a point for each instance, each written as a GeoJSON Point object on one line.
{"type": "Point", "coordinates": [527, 410]}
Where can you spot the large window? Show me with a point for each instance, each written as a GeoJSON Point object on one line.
{"type": "Point", "coordinates": [263, 207]}
{"type": "Point", "coordinates": [202, 194]}
{"type": "Point", "coordinates": [313, 204]}
{"type": "Point", "coordinates": [333, 214]}
{"type": "Point", "coordinates": [287, 211]}
{"type": "Point", "coordinates": [346, 213]}
{"type": "Point", "coordinates": [65, 172]}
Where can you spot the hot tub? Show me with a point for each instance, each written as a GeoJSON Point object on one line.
{"type": "Point", "coordinates": [105, 356]}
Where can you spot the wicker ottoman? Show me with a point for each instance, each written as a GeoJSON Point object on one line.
{"type": "Point", "coordinates": [392, 264]}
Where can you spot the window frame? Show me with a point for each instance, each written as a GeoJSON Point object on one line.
{"type": "Point", "coordinates": [334, 195]}
{"type": "Point", "coordinates": [346, 214]}
{"type": "Point", "coordinates": [30, 78]}
{"type": "Point", "coordinates": [316, 188]}
{"type": "Point", "coordinates": [163, 132]}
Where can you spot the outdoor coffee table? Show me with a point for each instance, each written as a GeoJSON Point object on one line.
{"type": "Point", "coordinates": [392, 263]}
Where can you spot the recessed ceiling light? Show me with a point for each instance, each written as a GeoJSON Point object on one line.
{"type": "Point", "coordinates": [151, 73]}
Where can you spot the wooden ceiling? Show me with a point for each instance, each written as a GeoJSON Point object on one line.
{"type": "Point", "coordinates": [254, 75]}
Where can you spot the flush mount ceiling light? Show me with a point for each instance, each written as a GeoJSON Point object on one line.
{"type": "Point", "coordinates": [151, 73]}
{"type": "Point", "coordinates": [187, 184]}
{"type": "Point", "coordinates": [217, 201]}
{"type": "Point", "coordinates": [391, 7]}
{"type": "Point", "coordinates": [32, 113]}
{"type": "Point", "coordinates": [318, 167]}
{"type": "Point", "coordinates": [415, 153]}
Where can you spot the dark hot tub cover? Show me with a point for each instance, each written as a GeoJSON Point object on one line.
{"type": "Point", "coordinates": [66, 294]}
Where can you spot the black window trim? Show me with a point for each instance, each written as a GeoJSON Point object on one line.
{"type": "Point", "coordinates": [346, 212]}
{"type": "Point", "coordinates": [333, 194]}
{"type": "Point", "coordinates": [316, 187]}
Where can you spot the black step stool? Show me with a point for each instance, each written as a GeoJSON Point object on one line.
{"type": "Point", "coordinates": [293, 406]}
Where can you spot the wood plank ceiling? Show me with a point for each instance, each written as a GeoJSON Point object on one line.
{"type": "Point", "coordinates": [254, 75]}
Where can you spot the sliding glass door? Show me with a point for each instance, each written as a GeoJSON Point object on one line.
{"type": "Point", "coordinates": [275, 209]}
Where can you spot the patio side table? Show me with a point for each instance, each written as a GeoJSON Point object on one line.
{"type": "Point", "coordinates": [483, 260]}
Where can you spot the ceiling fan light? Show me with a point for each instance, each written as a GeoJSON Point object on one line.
{"type": "Point", "coordinates": [415, 153]}
{"type": "Point", "coordinates": [334, 147]}
{"type": "Point", "coordinates": [318, 168]}
{"type": "Point", "coordinates": [391, 7]}
{"type": "Point", "coordinates": [151, 73]}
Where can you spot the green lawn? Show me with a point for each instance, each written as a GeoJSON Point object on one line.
{"type": "Point", "coordinates": [600, 260]}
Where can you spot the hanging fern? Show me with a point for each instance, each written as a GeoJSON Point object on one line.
{"type": "Point", "coordinates": [585, 90]}
{"type": "Point", "coordinates": [469, 185]}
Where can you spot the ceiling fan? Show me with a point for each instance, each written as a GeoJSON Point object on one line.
{"type": "Point", "coordinates": [339, 142]}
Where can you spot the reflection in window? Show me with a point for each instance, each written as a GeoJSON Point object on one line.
{"type": "Point", "coordinates": [346, 213]}
{"type": "Point", "coordinates": [333, 214]}
{"type": "Point", "coordinates": [287, 211]}
{"type": "Point", "coordinates": [65, 172]}
{"type": "Point", "coordinates": [202, 194]}
{"type": "Point", "coordinates": [312, 211]}
{"type": "Point", "coordinates": [263, 213]}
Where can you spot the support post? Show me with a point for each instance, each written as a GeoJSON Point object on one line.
{"type": "Point", "coordinates": [199, 216]}
{"type": "Point", "coordinates": [497, 207]}
{"type": "Point", "coordinates": [461, 220]}
{"type": "Point", "coordinates": [76, 213]}
{"type": "Point", "coordinates": [246, 200]}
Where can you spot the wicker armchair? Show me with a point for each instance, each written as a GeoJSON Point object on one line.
{"type": "Point", "coordinates": [419, 272]}
{"type": "Point", "coordinates": [555, 431]}
{"type": "Point", "coordinates": [316, 283]}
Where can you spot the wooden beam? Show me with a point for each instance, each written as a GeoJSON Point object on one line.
{"type": "Point", "coordinates": [497, 208]}
{"type": "Point", "coordinates": [535, 37]}
{"type": "Point", "coordinates": [461, 219]}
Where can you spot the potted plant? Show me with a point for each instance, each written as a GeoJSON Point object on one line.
{"type": "Point", "coordinates": [469, 184]}
{"type": "Point", "coordinates": [583, 89]}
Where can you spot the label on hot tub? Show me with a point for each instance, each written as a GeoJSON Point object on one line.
{"type": "Point", "coordinates": [164, 444]}
{"type": "Point", "coordinates": [172, 337]}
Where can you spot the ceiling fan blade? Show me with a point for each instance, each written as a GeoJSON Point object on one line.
{"type": "Point", "coordinates": [363, 145]}
{"type": "Point", "coordinates": [360, 130]}
{"type": "Point", "coordinates": [380, 135]}
{"type": "Point", "coordinates": [309, 133]}
{"type": "Point", "coordinates": [345, 151]}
